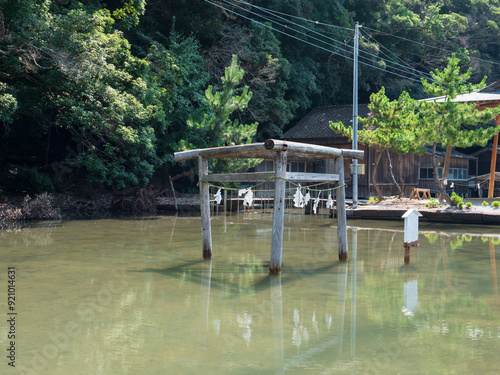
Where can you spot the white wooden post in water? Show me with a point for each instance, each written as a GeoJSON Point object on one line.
{"type": "Point", "coordinates": [278, 213]}
{"type": "Point", "coordinates": [411, 231]}
{"type": "Point", "coordinates": [206, 229]}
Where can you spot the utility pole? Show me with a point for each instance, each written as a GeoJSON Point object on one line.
{"type": "Point", "coordinates": [355, 119]}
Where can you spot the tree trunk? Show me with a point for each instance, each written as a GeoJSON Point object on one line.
{"type": "Point", "coordinates": [401, 177]}
{"type": "Point", "coordinates": [442, 190]}
{"type": "Point", "coordinates": [446, 169]}
{"type": "Point", "coordinates": [47, 148]}
{"type": "Point", "coordinates": [398, 188]}
{"type": "Point", "coordinates": [374, 173]}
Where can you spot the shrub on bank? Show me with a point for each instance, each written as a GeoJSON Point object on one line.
{"type": "Point", "coordinates": [39, 207]}
{"type": "Point", "coordinates": [432, 203]}
{"type": "Point", "coordinates": [456, 200]}
{"type": "Point", "coordinates": [25, 179]}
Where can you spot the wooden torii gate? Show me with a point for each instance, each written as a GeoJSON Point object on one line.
{"type": "Point", "coordinates": [280, 151]}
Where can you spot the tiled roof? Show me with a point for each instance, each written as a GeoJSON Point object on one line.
{"type": "Point", "coordinates": [492, 87]}
{"type": "Point", "coordinates": [485, 177]}
{"type": "Point", "coordinates": [485, 149]}
{"type": "Point", "coordinates": [490, 93]}
{"type": "Point", "coordinates": [316, 124]}
{"type": "Point", "coordinates": [473, 97]}
{"type": "Point", "coordinates": [454, 153]}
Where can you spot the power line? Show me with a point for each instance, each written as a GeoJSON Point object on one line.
{"type": "Point", "coordinates": [408, 67]}
{"type": "Point", "coordinates": [412, 72]}
{"type": "Point", "coordinates": [289, 28]}
{"type": "Point", "coordinates": [383, 47]}
{"type": "Point", "coordinates": [403, 68]}
{"type": "Point", "coordinates": [427, 45]}
{"type": "Point", "coordinates": [322, 41]}
{"type": "Point", "coordinates": [300, 18]}
{"type": "Point", "coordinates": [310, 43]}
{"type": "Point", "coordinates": [270, 11]}
{"type": "Point", "coordinates": [293, 23]}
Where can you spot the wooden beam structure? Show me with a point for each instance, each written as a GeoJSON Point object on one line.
{"type": "Point", "coordinates": [206, 228]}
{"type": "Point", "coordinates": [281, 151]}
{"type": "Point", "coordinates": [341, 212]}
{"type": "Point", "coordinates": [268, 149]}
{"type": "Point", "coordinates": [278, 213]}
{"type": "Point", "coordinates": [238, 177]}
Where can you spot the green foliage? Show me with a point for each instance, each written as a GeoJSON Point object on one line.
{"type": "Point", "coordinates": [432, 237]}
{"type": "Point", "coordinates": [386, 127]}
{"type": "Point", "coordinates": [484, 203]}
{"type": "Point", "coordinates": [267, 73]}
{"type": "Point", "coordinates": [104, 104]}
{"type": "Point", "coordinates": [130, 12]}
{"type": "Point", "coordinates": [468, 205]}
{"type": "Point", "coordinates": [30, 180]}
{"type": "Point", "coordinates": [126, 98]}
{"type": "Point", "coordinates": [406, 125]}
{"type": "Point", "coordinates": [495, 204]}
{"type": "Point", "coordinates": [125, 114]}
{"type": "Point", "coordinates": [216, 128]}
{"type": "Point", "coordinates": [445, 122]}
{"type": "Point", "coordinates": [457, 242]}
{"type": "Point", "coordinates": [175, 83]}
{"type": "Point", "coordinates": [8, 104]}
{"type": "Point", "coordinates": [374, 200]}
{"type": "Point", "coordinates": [432, 203]}
{"type": "Point", "coordinates": [456, 199]}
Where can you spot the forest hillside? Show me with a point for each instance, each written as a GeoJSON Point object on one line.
{"type": "Point", "coordinates": [101, 93]}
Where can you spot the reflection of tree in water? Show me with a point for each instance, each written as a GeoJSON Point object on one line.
{"type": "Point", "coordinates": [30, 236]}
{"type": "Point", "coordinates": [9, 227]}
{"type": "Point", "coordinates": [307, 322]}
{"type": "Point", "coordinates": [38, 236]}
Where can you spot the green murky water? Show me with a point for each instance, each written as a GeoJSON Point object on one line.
{"type": "Point", "coordinates": [134, 297]}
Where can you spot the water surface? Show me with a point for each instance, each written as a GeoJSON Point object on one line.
{"type": "Point", "coordinates": [134, 296]}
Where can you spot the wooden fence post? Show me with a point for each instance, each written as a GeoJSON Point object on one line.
{"type": "Point", "coordinates": [278, 213]}
{"type": "Point", "coordinates": [341, 212]}
{"type": "Point", "coordinates": [206, 231]}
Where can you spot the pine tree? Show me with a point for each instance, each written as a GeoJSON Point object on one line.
{"type": "Point", "coordinates": [217, 128]}
{"type": "Point", "coordinates": [445, 120]}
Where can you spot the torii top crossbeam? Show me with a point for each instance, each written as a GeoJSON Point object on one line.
{"type": "Point", "coordinates": [268, 149]}
{"type": "Point", "coordinates": [281, 151]}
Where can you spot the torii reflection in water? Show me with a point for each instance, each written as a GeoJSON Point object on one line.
{"type": "Point", "coordinates": [272, 311]}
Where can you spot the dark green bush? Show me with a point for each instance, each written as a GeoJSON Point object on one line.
{"type": "Point", "coordinates": [456, 199]}
{"type": "Point", "coordinates": [28, 180]}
